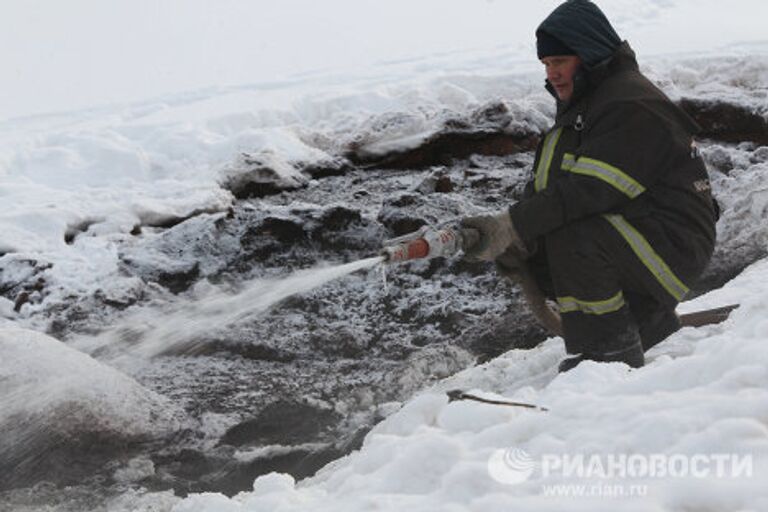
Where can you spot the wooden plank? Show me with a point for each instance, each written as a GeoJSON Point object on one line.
{"type": "Point", "coordinates": [707, 317]}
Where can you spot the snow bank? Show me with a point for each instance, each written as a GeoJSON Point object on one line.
{"type": "Point", "coordinates": [703, 393]}
{"type": "Point", "coordinates": [49, 391]}
{"type": "Point", "coordinates": [742, 80]}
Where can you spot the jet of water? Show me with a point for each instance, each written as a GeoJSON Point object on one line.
{"type": "Point", "coordinates": [185, 327]}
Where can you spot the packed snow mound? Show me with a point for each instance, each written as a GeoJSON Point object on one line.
{"type": "Point", "coordinates": [702, 395]}
{"type": "Point", "coordinates": [738, 80]}
{"type": "Point", "coordinates": [45, 385]}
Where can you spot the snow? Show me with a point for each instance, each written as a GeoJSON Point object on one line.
{"type": "Point", "coordinates": [107, 171]}
{"type": "Point", "coordinates": [703, 392]}
{"type": "Point", "coordinates": [137, 469]}
{"type": "Point", "coordinates": [739, 79]}
{"type": "Point", "coordinates": [99, 136]}
{"type": "Point", "coordinates": [44, 383]}
{"type": "Point", "coordinates": [52, 62]}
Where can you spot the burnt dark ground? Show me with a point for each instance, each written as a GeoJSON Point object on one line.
{"type": "Point", "coordinates": [311, 374]}
{"type": "Point", "coordinates": [319, 362]}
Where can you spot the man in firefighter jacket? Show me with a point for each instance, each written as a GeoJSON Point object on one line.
{"type": "Point", "coordinates": [618, 220]}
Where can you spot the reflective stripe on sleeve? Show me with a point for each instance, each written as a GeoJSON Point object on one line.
{"type": "Point", "coordinates": [600, 307]}
{"type": "Point", "coordinates": [649, 257]}
{"type": "Point", "coordinates": [545, 160]}
{"type": "Point", "coordinates": [605, 172]}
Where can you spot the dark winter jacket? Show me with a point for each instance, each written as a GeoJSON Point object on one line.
{"type": "Point", "coordinates": [621, 149]}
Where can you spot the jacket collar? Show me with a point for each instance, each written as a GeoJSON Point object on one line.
{"type": "Point", "coordinates": [587, 79]}
{"type": "Point", "coordinates": [622, 60]}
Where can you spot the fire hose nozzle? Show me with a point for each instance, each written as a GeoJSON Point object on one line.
{"type": "Point", "coordinates": [428, 243]}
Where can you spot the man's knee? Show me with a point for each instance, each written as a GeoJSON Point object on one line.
{"type": "Point", "coordinates": [577, 243]}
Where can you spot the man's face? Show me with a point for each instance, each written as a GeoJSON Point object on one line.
{"type": "Point", "coordinates": [560, 70]}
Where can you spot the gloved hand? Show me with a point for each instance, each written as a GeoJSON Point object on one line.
{"type": "Point", "coordinates": [497, 233]}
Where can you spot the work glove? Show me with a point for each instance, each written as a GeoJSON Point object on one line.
{"type": "Point", "coordinates": [496, 234]}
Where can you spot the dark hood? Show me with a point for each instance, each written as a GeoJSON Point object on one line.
{"type": "Point", "coordinates": [583, 27]}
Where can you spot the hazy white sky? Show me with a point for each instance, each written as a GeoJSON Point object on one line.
{"type": "Point", "coordinates": [59, 55]}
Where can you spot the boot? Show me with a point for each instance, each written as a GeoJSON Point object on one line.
{"type": "Point", "coordinates": [633, 355]}
{"type": "Point", "coordinates": [658, 326]}
{"type": "Point", "coordinates": [629, 350]}
{"type": "Point", "coordinates": [655, 321]}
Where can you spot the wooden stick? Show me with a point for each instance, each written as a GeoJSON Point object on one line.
{"type": "Point", "coordinates": [707, 316]}
{"type": "Point", "coordinates": [457, 394]}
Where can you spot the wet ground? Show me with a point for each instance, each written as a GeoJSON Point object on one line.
{"type": "Point", "coordinates": [299, 385]}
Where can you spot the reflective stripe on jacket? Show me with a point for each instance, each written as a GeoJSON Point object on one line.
{"type": "Point", "coordinates": [622, 149]}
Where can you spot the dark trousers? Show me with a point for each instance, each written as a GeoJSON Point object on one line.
{"type": "Point", "coordinates": [603, 289]}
